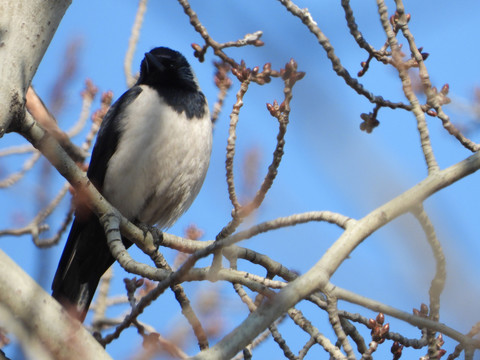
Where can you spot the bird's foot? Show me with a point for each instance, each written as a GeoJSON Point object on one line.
{"type": "Point", "coordinates": [157, 234]}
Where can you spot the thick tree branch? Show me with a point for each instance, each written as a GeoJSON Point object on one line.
{"type": "Point", "coordinates": [26, 30]}
{"type": "Point", "coordinates": [61, 336]}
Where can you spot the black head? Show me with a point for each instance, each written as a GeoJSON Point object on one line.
{"type": "Point", "coordinates": [166, 67]}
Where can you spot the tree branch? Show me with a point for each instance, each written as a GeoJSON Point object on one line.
{"type": "Point", "coordinates": [26, 30]}
{"type": "Point", "coordinates": [37, 311]}
{"type": "Point", "coordinates": [317, 278]}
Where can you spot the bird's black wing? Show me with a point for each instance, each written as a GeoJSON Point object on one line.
{"type": "Point", "coordinates": [86, 255]}
{"type": "Point", "coordinates": [108, 137]}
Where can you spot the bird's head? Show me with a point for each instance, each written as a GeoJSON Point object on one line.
{"type": "Point", "coordinates": [166, 67]}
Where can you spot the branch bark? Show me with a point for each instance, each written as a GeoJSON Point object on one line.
{"type": "Point", "coordinates": [317, 278]}
{"type": "Point", "coordinates": [46, 322]}
{"type": "Point", "coordinates": [26, 29]}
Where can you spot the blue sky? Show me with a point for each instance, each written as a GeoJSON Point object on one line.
{"type": "Point", "coordinates": [329, 163]}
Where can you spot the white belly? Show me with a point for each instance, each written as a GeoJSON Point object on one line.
{"type": "Point", "coordinates": [160, 162]}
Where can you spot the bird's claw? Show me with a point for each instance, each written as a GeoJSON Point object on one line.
{"type": "Point", "coordinates": [157, 234]}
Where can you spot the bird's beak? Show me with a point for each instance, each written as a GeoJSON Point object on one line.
{"type": "Point", "coordinates": [153, 63]}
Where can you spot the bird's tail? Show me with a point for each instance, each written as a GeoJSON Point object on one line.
{"type": "Point", "coordinates": [84, 260]}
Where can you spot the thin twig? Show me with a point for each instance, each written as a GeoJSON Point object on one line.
{"type": "Point", "coordinates": [277, 337]}
{"type": "Point", "coordinates": [306, 348]}
{"type": "Point", "coordinates": [402, 69]}
{"type": "Point", "coordinates": [27, 166]}
{"type": "Point", "coordinates": [321, 339]}
{"type": "Point", "coordinates": [101, 303]}
{"type": "Point", "coordinates": [417, 321]}
{"type": "Point", "coordinates": [133, 41]}
{"type": "Point", "coordinates": [46, 212]}
{"type": "Point", "coordinates": [306, 18]}
{"type": "Point", "coordinates": [353, 27]}
{"type": "Point", "coordinates": [44, 117]}
{"type": "Point", "coordinates": [223, 83]}
{"type": "Point", "coordinates": [337, 326]}
{"type": "Point", "coordinates": [88, 95]}
{"type": "Point", "coordinates": [17, 150]}
{"type": "Point", "coordinates": [231, 142]}
{"type": "Point", "coordinates": [438, 282]}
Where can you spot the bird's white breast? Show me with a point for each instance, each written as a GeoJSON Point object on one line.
{"type": "Point", "coordinates": [160, 162]}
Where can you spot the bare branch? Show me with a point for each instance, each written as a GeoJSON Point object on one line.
{"type": "Point", "coordinates": [418, 321]}
{"type": "Point", "coordinates": [312, 26]}
{"type": "Point", "coordinates": [337, 327]}
{"type": "Point", "coordinates": [37, 311]}
{"type": "Point", "coordinates": [15, 177]}
{"type": "Point", "coordinates": [401, 22]}
{"type": "Point", "coordinates": [40, 113]}
{"type": "Point", "coordinates": [316, 279]}
{"type": "Point", "coordinates": [132, 43]}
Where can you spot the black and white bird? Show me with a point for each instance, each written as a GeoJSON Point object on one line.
{"type": "Point", "coordinates": [149, 161]}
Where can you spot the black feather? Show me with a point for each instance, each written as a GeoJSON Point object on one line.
{"type": "Point", "coordinates": [86, 255]}
{"type": "Point", "coordinates": [193, 104]}
{"type": "Point", "coordinates": [172, 77]}
{"type": "Point", "coordinates": [108, 136]}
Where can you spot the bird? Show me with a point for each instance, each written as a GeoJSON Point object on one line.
{"type": "Point", "coordinates": [149, 161]}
